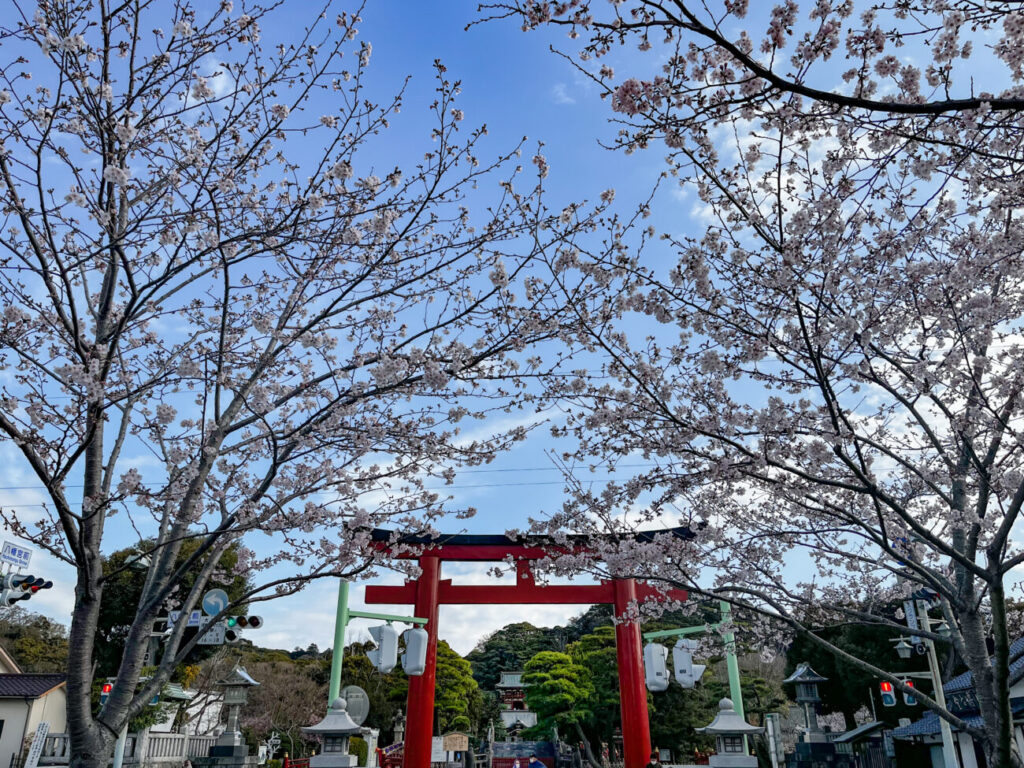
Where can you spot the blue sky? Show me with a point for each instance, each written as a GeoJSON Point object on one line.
{"type": "Point", "coordinates": [514, 84]}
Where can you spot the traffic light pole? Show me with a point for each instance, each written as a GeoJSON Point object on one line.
{"type": "Point", "coordinates": [119, 745]}
{"type": "Point", "coordinates": [341, 620]}
{"type": "Point", "coordinates": [948, 750]}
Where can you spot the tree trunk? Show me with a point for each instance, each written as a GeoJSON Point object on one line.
{"type": "Point", "coordinates": [1002, 749]}
{"type": "Point", "coordinates": [91, 751]}
{"type": "Point", "coordinates": [586, 747]}
{"type": "Point", "coordinates": [91, 741]}
{"type": "Point", "coordinates": [991, 685]}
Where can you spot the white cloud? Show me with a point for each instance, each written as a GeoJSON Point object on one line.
{"type": "Point", "coordinates": [560, 94]}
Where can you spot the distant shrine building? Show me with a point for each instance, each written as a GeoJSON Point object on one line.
{"type": "Point", "coordinates": [515, 715]}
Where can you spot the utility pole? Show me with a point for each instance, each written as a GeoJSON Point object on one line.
{"type": "Point", "coordinates": [948, 750]}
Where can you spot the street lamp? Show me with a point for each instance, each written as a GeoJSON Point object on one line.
{"type": "Point", "coordinates": [903, 648]}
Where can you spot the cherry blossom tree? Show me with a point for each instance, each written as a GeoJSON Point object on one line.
{"type": "Point", "coordinates": [223, 321]}
{"type": "Point", "coordinates": [822, 371]}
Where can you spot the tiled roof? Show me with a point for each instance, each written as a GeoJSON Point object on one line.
{"type": "Point", "coordinates": [29, 686]}
{"type": "Point", "coordinates": [863, 730]}
{"type": "Point", "coordinates": [965, 681]}
{"type": "Point", "coordinates": [929, 724]}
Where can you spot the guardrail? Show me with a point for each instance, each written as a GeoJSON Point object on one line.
{"type": "Point", "coordinates": [141, 749]}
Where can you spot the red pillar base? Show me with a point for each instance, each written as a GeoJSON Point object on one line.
{"type": "Point", "coordinates": [636, 728]}
{"type": "Point", "coordinates": [420, 701]}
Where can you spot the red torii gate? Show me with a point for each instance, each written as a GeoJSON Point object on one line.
{"type": "Point", "coordinates": [429, 592]}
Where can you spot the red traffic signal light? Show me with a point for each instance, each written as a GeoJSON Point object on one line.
{"type": "Point", "coordinates": [107, 688]}
{"type": "Point", "coordinates": [888, 694]}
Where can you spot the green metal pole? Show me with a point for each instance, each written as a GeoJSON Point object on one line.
{"type": "Point", "coordinates": [340, 625]}
{"type": "Point", "coordinates": [732, 664]}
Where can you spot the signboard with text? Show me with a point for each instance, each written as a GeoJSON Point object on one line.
{"type": "Point", "coordinates": [437, 750]}
{"type": "Point", "coordinates": [194, 618]}
{"type": "Point", "coordinates": [37, 745]}
{"type": "Point", "coordinates": [455, 742]}
{"type": "Point", "coordinates": [16, 554]}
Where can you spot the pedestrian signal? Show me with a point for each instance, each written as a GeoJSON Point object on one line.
{"type": "Point", "coordinates": [888, 694]}
{"type": "Point", "coordinates": [908, 698]}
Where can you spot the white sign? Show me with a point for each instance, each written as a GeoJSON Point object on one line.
{"type": "Point", "coordinates": [214, 635]}
{"type": "Point", "coordinates": [16, 554]}
{"type": "Point", "coordinates": [908, 609]}
{"type": "Point", "coordinates": [194, 618]}
{"type": "Point", "coordinates": [437, 754]}
{"type": "Point", "coordinates": [37, 745]}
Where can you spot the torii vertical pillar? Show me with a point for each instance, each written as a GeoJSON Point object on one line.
{"type": "Point", "coordinates": [420, 703]}
{"type": "Point", "coordinates": [636, 729]}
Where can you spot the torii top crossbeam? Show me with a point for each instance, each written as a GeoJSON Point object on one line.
{"type": "Point", "coordinates": [498, 547]}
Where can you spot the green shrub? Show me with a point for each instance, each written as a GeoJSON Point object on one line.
{"type": "Point", "coordinates": [359, 748]}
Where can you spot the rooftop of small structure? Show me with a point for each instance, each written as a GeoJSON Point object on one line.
{"type": "Point", "coordinates": [728, 721]}
{"type": "Point", "coordinates": [804, 674]}
{"type": "Point", "coordinates": [337, 722]}
{"type": "Point", "coordinates": [238, 676]}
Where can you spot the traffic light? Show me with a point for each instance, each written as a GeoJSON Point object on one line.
{"type": "Point", "coordinates": [687, 673]}
{"type": "Point", "coordinates": [655, 666]}
{"type": "Point", "coordinates": [908, 698]}
{"type": "Point", "coordinates": [31, 584]}
{"type": "Point", "coordinates": [888, 694]}
{"type": "Point", "coordinates": [233, 626]}
{"type": "Point", "coordinates": [20, 586]}
{"type": "Point", "coordinates": [104, 690]}
{"type": "Point", "coordinates": [414, 660]}
{"type": "Point", "coordinates": [385, 657]}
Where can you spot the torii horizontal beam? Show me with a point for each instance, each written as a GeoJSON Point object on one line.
{"type": "Point", "coordinates": [524, 592]}
{"type": "Point", "coordinates": [495, 547]}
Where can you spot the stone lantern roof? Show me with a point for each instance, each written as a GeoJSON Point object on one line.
{"type": "Point", "coordinates": [338, 722]}
{"type": "Point", "coordinates": [804, 674]}
{"type": "Point", "coordinates": [728, 722]}
{"type": "Point", "coordinates": [238, 676]}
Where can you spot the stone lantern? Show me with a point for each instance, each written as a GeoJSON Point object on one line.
{"type": "Point", "coordinates": [230, 748]}
{"type": "Point", "coordinates": [730, 730]}
{"type": "Point", "coordinates": [399, 727]}
{"type": "Point", "coordinates": [335, 730]}
{"type": "Point", "coordinates": [806, 681]}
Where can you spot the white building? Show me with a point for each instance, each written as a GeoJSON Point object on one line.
{"type": "Point", "coordinates": [25, 701]}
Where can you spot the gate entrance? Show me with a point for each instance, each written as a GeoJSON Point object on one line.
{"type": "Point", "coordinates": [429, 592]}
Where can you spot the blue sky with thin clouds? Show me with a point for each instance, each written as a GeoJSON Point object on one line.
{"type": "Point", "coordinates": [514, 84]}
